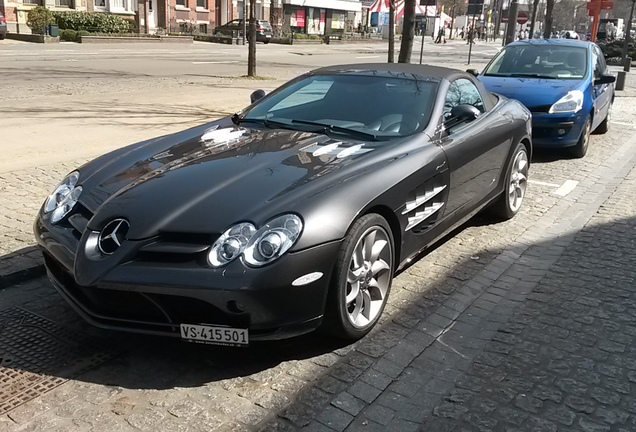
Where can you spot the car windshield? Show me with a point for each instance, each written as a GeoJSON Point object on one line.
{"type": "Point", "coordinates": [539, 61]}
{"type": "Point", "coordinates": [365, 107]}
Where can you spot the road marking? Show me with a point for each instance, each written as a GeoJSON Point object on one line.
{"type": "Point", "coordinates": [567, 187]}
{"type": "Point", "coordinates": [363, 57]}
{"type": "Point", "coordinates": [624, 124]}
{"type": "Point", "coordinates": [215, 62]}
{"type": "Point", "coordinates": [540, 183]}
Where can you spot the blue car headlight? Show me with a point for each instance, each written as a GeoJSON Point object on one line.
{"type": "Point", "coordinates": [570, 103]}
{"type": "Point", "coordinates": [258, 247]}
{"type": "Point", "coordinates": [63, 198]}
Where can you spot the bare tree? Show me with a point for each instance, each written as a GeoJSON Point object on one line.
{"type": "Point", "coordinates": [408, 32]}
{"type": "Point", "coordinates": [251, 53]}
{"type": "Point", "coordinates": [547, 31]}
{"type": "Point", "coordinates": [535, 7]}
{"type": "Point", "coordinates": [391, 31]}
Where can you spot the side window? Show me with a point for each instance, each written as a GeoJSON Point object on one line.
{"type": "Point", "coordinates": [599, 62]}
{"type": "Point", "coordinates": [462, 91]}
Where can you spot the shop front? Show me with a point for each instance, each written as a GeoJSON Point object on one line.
{"type": "Point", "coordinates": [321, 17]}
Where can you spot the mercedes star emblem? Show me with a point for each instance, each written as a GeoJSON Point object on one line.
{"type": "Point", "coordinates": [112, 236]}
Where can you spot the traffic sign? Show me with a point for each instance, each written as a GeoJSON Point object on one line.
{"type": "Point", "coordinates": [522, 18]}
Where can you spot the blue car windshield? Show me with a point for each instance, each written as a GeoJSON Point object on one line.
{"type": "Point", "coordinates": [369, 106]}
{"type": "Point", "coordinates": [540, 61]}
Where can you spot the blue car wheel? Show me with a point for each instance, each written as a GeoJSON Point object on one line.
{"type": "Point", "coordinates": [580, 149]}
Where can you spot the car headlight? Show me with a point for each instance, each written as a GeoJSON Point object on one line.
{"type": "Point", "coordinates": [63, 198]}
{"type": "Point", "coordinates": [231, 244]}
{"type": "Point", "coordinates": [259, 247]}
{"type": "Point", "coordinates": [570, 103]}
{"type": "Point", "coordinates": [273, 239]}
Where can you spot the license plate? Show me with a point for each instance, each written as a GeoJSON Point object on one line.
{"type": "Point", "coordinates": [214, 335]}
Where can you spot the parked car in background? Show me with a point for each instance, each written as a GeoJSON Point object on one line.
{"type": "Point", "coordinates": [3, 27]}
{"type": "Point", "coordinates": [235, 28]}
{"type": "Point", "coordinates": [570, 34]}
{"type": "Point", "coordinates": [293, 213]}
{"type": "Point", "coordinates": [564, 83]}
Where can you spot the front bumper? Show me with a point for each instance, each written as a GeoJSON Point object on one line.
{"type": "Point", "coordinates": [155, 294]}
{"type": "Point", "coordinates": [556, 130]}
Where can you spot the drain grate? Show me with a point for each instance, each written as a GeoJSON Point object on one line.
{"type": "Point", "coordinates": [37, 355]}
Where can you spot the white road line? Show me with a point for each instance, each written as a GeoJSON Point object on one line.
{"type": "Point", "coordinates": [567, 187]}
{"type": "Point", "coordinates": [215, 62]}
{"type": "Point", "coordinates": [363, 57]}
{"type": "Point", "coordinates": [624, 124]}
{"type": "Point", "coordinates": [543, 183]}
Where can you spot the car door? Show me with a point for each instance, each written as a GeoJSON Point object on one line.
{"type": "Point", "coordinates": [476, 151]}
{"type": "Point", "coordinates": [602, 94]}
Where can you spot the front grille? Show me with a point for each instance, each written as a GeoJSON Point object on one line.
{"type": "Point", "coordinates": [135, 310]}
{"type": "Point", "coordinates": [540, 109]}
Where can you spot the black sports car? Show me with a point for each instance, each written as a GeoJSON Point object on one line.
{"type": "Point", "coordinates": [292, 213]}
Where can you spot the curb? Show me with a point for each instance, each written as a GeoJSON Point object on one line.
{"type": "Point", "coordinates": [21, 266]}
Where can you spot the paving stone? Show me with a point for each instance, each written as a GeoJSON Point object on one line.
{"type": "Point", "coordinates": [378, 414]}
{"type": "Point", "coordinates": [335, 418]}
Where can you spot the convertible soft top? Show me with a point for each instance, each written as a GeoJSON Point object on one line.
{"type": "Point", "coordinates": [427, 72]}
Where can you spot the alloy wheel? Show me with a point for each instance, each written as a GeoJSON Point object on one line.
{"type": "Point", "coordinates": [369, 277]}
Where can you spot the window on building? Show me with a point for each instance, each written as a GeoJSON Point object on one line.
{"type": "Point", "coordinates": [117, 4]}
{"type": "Point", "coordinates": [100, 3]}
{"type": "Point", "coordinates": [33, 2]}
{"type": "Point", "coordinates": [202, 4]}
{"type": "Point", "coordinates": [203, 28]}
{"type": "Point", "coordinates": [64, 3]}
{"type": "Point", "coordinates": [181, 3]}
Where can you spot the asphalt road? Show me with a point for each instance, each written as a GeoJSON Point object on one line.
{"type": "Point", "coordinates": [528, 324]}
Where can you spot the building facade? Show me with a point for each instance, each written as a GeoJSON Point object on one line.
{"type": "Point", "coordinates": [202, 16]}
{"type": "Point", "coordinates": [321, 17]}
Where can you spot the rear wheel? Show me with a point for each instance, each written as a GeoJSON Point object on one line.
{"type": "Point", "coordinates": [580, 149]}
{"type": "Point", "coordinates": [509, 202]}
{"type": "Point", "coordinates": [362, 279]}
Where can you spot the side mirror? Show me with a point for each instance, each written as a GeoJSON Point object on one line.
{"type": "Point", "coordinates": [258, 94]}
{"type": "Point", "coordinates": [605, 79]}
{"type": "Point", "coordinates": [463, 113]}
{"type": "Point", "coordinates": [473, 72]}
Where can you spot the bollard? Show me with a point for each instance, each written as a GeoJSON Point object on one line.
{"type": "Point", "coordinates": [620, 80]}
{"type": "Point", "coordinates": [628, 64]}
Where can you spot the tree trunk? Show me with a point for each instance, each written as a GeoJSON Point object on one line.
{"type": "Point", "coordinates": [408, 32]}
{"type": "Point", "coordinates": [391, 31]}
{"type": "Point", "coordinates": [535, 6]}
{"type": "Point", "coordinates": [547, 32]}
{"type": "Point", "coordinates": [251, 54]}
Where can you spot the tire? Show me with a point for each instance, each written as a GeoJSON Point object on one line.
{"type": "Point", "coordinates": [509, 202]}
{"type": "Point", "coordinates": [605, 124]}
{"type": "Point", "coordinates": [362, 279]}
{"type": "Point", "coordinates": [580, 149]}
{"type": "Point", "coordinates": [2, 36]}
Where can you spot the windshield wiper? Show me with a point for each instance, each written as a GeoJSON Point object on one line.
{"type": "Point", "coordinates": [523, 74]}
{"type": "Point", "coordinates": [340, 129]}
{"type": "Point", "coordinates": [267, 122]}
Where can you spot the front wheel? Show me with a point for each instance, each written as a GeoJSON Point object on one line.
{"type": "Point", "coordinates": [509, 202]}
{"type": "Point", "coordinates": [362, 279]}
{"type": "Point", "coordinates": [605, 124]}
{"type": "Point", "coordinates": [580, 149]}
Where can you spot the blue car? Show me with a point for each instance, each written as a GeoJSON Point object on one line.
{"type": "Point", "coordinates": [564, 83]}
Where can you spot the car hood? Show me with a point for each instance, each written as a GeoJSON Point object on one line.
{"type": "Point", "coordinates": [531, 92]}
{"type": "Point", "coordinates": [205, 180]}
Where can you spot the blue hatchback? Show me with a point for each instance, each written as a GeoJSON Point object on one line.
{"type": "Point", "coordinates": [564, 83]}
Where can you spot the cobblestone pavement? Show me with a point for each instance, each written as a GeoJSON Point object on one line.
{"type": "Point", "coordinates": [526, 325]}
